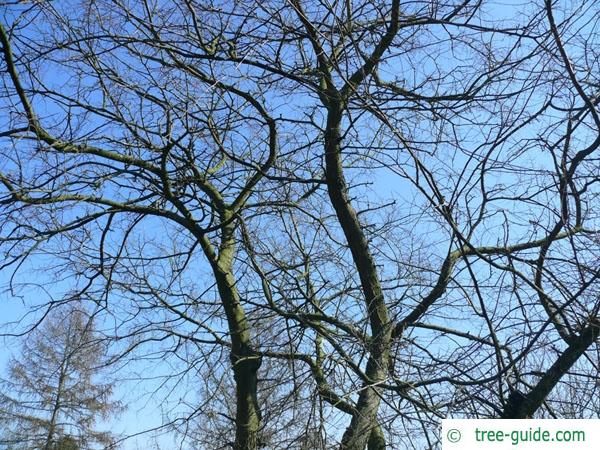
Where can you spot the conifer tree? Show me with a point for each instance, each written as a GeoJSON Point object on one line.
{"type": "Point", "coordinates": [53, 397]}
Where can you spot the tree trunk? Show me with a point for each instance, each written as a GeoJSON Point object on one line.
{"type": "Point", "coordinates": [56, 406]}
{"type": "Point", "coordinates": [364, 421]}
{"type": "Point", "coordinates": [376, 439]}
{"type": "Point", "coordinates": [244, 359]}
{"type": "Point", "coordinates": [523, 406]}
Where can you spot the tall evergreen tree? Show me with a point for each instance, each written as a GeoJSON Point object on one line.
{"type": "Point", "coordinates": [52, 397]}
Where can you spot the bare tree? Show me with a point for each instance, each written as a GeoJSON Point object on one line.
{"type": "Point", "coordinates": [341, 221]}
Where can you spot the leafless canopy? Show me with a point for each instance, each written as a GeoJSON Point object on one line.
{"type": "Point", "coordinates": [334, 222]}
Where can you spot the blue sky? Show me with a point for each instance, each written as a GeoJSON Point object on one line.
{"type": "Point", "coordinates": [143, 409]}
